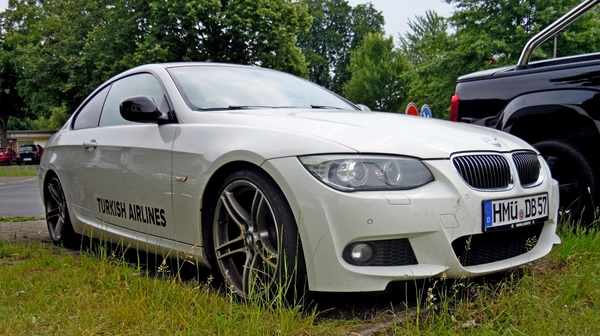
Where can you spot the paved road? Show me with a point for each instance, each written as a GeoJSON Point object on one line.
{"type": "Point", "coordinates": [20, 197]}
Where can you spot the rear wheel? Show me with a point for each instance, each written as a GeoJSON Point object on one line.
{"type": "Point", "coordinates": [254, 239]}
{"type": "Point", "coordinates": [578, 183]}
{"type": "Point", "coordinates": [57, 214]}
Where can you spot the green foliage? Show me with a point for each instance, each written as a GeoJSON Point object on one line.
{"type": "Point", "coordinates": [500, 28]}
{"type": "Point", "coordinates": [432, 53]}
{"type": "Point", "coordinates": [11, 104]}
{"type": "Point", "coordinates": [337, 29]}
{"type": "Point", "coordinates": [48, 290]}
{"type": "Point", "coordinates": [483, 34]}
{"type": "Point", "coordinates": [16, 171]}
{"type": "Point", "coordinates": [55, 52]}
{"type": "Point", "coordinates": [58, 117]}
{"type": "Point", "coordinates": [379, 75]}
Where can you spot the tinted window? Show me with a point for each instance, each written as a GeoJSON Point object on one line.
{"type": "Point", "coordinates": [137, 85]}
{"type": "Point", "coordinates": [89, 115]}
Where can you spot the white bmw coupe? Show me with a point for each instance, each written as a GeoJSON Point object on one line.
{"type": "Point", "coordinates": [271, 181]}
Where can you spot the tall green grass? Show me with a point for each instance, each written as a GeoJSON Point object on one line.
{"type": "Point", "coordinates": [47, 290]}
{"type": "Point", "coordinates": [559, 295]}
{"type": "Point", "coordinates": [107, 290]}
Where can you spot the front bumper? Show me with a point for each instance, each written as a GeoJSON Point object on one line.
{"type": "Point", "coordinates": [431, 218]}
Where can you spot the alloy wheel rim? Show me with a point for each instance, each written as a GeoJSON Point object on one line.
{"type": "Point", "coordinates": [55, 208]}
{"type": "Point", "coordinates": [246, 239]}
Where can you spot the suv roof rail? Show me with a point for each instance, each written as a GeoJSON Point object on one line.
{"type": "Point", "coordinates": [552, 30]}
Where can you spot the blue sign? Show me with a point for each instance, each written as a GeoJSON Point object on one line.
{"type": "Point", "coordinates": [426, 111]}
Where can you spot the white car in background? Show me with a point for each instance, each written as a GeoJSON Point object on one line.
{"type": "Point", "coordinates": [269, 179]}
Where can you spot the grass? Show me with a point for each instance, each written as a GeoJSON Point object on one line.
{"type": "Point", "coordinates": [12, 171]}
{"type": "Point", "coordinates": [558, 296]}
{"type": "Point", "coordinates": [20, 219]}
{"type": "Point", "coordinates": [48, 290]}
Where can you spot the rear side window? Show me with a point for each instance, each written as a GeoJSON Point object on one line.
{"type": "Point", "coordinates": [89, 115]}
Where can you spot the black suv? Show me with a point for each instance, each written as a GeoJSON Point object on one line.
{"type": "Point", "coordinates": [30, 154]}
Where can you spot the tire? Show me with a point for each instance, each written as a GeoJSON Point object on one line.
{"type": "Point", "coordinates": [253, 240]}
{"type": "Point", "coordinates": [577, 179]}
{"type": "Point", "coordinates": [12, 161]}
{"type": "Point", "coordinates": [57, 214]}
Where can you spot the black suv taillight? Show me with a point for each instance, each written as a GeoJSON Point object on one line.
{"type": "Point", "coordinates": [454, 108]}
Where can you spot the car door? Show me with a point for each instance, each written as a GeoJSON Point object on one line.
{"type": "Point", "coordinates": [127, 165]}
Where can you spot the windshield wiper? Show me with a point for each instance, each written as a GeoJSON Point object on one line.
{"type": "Point", "coordinates": [244, 107]}
{"type": "Point", "coordinates": [326, 107]}
{"type": "Point", "coordinates": [234, 107]}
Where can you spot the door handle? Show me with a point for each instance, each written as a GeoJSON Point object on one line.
{"type": "Point", "coordinates": [90, 145]}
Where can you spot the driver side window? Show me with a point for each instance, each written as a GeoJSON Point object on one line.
{"type": "Point", "coordinates": [135, 85]}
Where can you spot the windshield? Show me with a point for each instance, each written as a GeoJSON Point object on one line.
{"type": "Point", "coordinates": [224, 87]}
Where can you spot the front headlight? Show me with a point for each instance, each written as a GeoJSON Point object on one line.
{"type": "Point", "coordinates": [367, 172]}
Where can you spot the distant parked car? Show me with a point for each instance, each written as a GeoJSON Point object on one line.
{"type": "Point", "coordinates": [7, 156]}
{"type": "Point", "coordinates": [30, 154]}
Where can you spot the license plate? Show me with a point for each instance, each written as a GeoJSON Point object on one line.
{"type": "Point", "coordinates": [26, 159]}
{"type": "Point", "coordinates": [514, 212]}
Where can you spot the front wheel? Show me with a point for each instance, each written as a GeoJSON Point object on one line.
{"type": "Point", "coordinates": [578, 184]}
{"type": "Point", "coordinates": [57, 214]}
{"type": "Point", "coordinates": [254, 238]}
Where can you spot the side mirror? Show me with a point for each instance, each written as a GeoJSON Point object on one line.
{"type": "Point", "coordinates": [142, 109]}
{"type": "Point", "coordinates": [363, 107]}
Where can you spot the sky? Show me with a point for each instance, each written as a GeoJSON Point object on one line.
{"type": "Point", "coordinates": [396, 12]}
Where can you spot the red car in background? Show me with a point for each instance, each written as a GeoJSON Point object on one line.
{"type": "Point", "coordinates": [8, 155]}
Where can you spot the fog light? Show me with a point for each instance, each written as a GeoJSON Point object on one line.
{"type": "Point", "coordinates": [361, 253]}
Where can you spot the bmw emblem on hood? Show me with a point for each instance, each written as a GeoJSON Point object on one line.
{"type": "Point", "coordinates": [492, 142]}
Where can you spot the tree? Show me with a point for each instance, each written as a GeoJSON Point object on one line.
{"type": "Point", "coordinates": [486, 33]}
{"type": "Point", "coordinates": [435, 60]}
{"type": "Point", "coordinates": [365, 20]}
{"type": "Point", "coordinates": [380, 77]}
{"type": "Point", "coordinates": [256, 32]}
{"type": "Point", "coordinates": [11, 104]}
{"type": "Point", "coordinates": [46, 41]}
{"type": "Point", "coordinates": [500, 28]}
{"type": "Point", "coordinates": [336, 30]}
{"type": "Point", "coordinates": [60, 50]}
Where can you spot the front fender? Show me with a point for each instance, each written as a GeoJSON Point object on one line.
{"type": "Point", "coordinates": [566, 114]}
{"type": "Point", "coordinates": [571, 102]}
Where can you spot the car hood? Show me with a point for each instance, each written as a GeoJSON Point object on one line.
{"type": "Point", "coordinates": [375, 132]}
